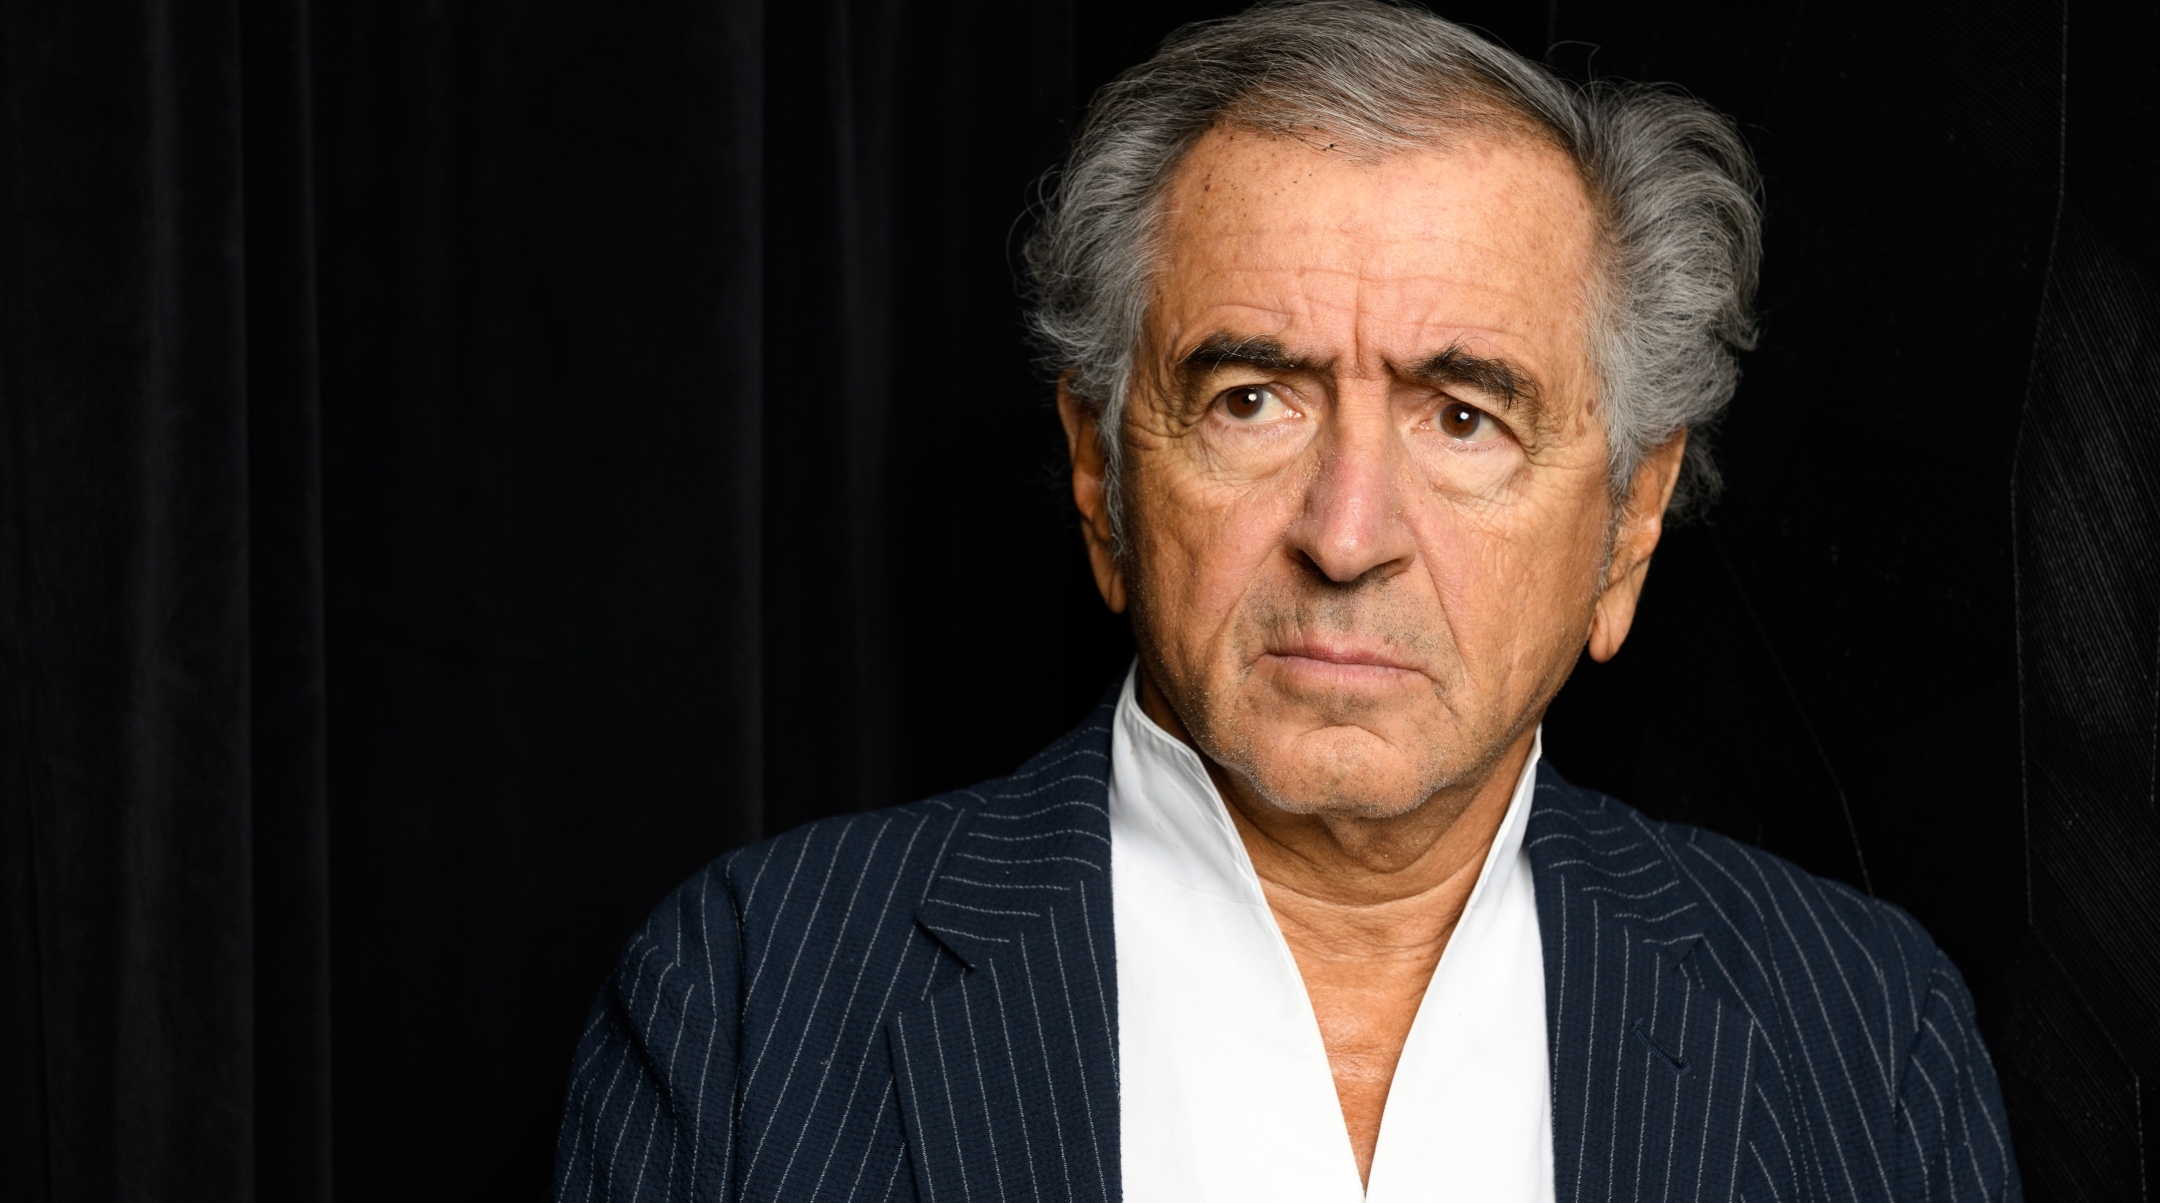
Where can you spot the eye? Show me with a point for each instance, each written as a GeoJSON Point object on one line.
{"type": "Point", "coordinates": [1466, 422]}
{"type": "Point", "coordinates": [1252, 403]}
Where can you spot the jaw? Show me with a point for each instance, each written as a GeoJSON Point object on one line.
{"type": "Point", "coordinates": [1347, 770]}
{"type": "Point", "coordinates": [1302, 753]}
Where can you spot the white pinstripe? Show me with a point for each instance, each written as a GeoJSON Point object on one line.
{"type": "Point", "coordinates": [802, 850]}
{"type": "Point", "coordinates": [855, 1183]}
{"type": "Point", "coordinates": [1642, 1126]}
{"type": "Point", "coordinates": [1836, 1047]}
{"type": "Point", "coordinates": [1769, 1179]}
{"type": "Point", "coordinates": [997, 987]}
{"type": "Point", "coordinates": [1094, 1134]}
{"type": "Point", "coordinates": [1964, 1121]}
{"type": "Point", "coordinates": [863, 1061]}
{"type": "Point", "coordinates": [1747, 1068]}
{"type": "Point", "coordinates": [1058, 784]}
{"type": "Point", "coordinates": [965, 935]}
{"type": "Point", "coordinates": [817, 907]}
{"type": "Point", "coordinates": [832, 954]}
{"type": "Point", "coordinates": [1672, 1126]}
{"type": "Point", "coordinates": [1623, 896]}
{"type": "Point", "coordinates": [613, 1080]}
{"type": "Point", "coordinates": [1061, 833]}
{"type": "Point", "coordinates": [986, 910]}
{"type": "Point", "coordinates": [1026, 860]}
{"type": "Point", "coordinates": [1021, 818]}
{"type": "Point", "coordinates": [1095, 962]}
{"type": "Point", "coordinates": [982, 1087]}
{"type": "Point", "coordinates": [1942, 1118]}
{"type": "Point", "coordinates": [892, 1178]}
{"type": "Point", "coordinates": [900, 1030]}
{"type": "Point", "coordinates": [1612, 1148]}
{"type": "Point", "coordinates": [937, 1039]}
{"type": "Point", "coordinates": [1001, 885]}
{"type": "Point", "coordinates": [1042, 1040]}
{"type": "Point", "coordinates": [712, 991]}
{"type": "Point", "coordinates": [1882, 1064]}
{"type": "Point", "coordinates": [1702, 1151]}
{"type": "Point", "coordinates": [1589, 1054]}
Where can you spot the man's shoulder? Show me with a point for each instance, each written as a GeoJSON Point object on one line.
{"type": "Point", "coordinates": [1769, 930]}
{"type": "Point", "coordinates": [1060, 789]}
{"type": "Point", "coordinates": [863, 876]}
{"type": "Point", "coordinates": [1863, 1025]}
{"type": "Point", "coordinates": [1749, 891]}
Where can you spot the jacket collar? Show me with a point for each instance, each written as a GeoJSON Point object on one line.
{"type": "Point", "coordinates": [1007, 1078]}
{"type": "Point", "coordinates": [1649, 1027]}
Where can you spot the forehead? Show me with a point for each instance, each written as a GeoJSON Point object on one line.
{"type": "Point", "coordinates": [1488, 239]}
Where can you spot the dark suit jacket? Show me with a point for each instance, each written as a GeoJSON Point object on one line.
{"type": "Point", "coordinates": [921, 1003]}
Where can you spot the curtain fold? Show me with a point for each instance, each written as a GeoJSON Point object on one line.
{"type": "Point", "coordinates": [126, 641]}
{"type": "Point", "coordinates": [289, 800]}
{"type": "Point", "coordinates": [544, 398]}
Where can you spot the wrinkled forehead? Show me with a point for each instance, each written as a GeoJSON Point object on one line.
{"type": "Point", "coordinates": [1365, 258]}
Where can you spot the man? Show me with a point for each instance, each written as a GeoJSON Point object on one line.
{"type": "Point", "coordinates": [1380, 351]}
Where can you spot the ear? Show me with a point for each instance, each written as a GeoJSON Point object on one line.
{"type": "Point", "coordinates": [1642, 521]}
{"type": "Point", "coordinates": [1083, 443]}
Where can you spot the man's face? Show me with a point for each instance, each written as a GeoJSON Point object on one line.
{"type": "Point", "coordinates": [1366, 484]}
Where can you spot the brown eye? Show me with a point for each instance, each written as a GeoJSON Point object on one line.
{"type": "Point", "coordinates": [1461, 421]}
{"type": "Point", "coordinates": [1251, 403]}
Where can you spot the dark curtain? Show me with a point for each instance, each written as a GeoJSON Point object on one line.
{"type": "Point", "coordinates": [464, 466]}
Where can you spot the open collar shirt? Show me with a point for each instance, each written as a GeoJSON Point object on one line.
{"type": "Point", "coordinates": [1224, 1085]}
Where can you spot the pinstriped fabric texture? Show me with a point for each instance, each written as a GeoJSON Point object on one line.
{"type": "Point", "coordinates": [915, 1003]}
{"type": "Point", "coordinates": [921, 1003]}
{"type": "Point", "coordinates": [1725, 1026]}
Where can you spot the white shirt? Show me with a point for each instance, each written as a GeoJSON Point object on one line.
{"type": "Point", "coordinates": [1224, 1087]}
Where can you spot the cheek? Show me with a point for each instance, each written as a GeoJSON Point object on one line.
{"type": "Point", "coordinates": [1512, 578]}
{"type": "Point", "coordinates": [1203, 543]}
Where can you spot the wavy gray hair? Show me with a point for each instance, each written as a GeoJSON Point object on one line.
{"type": "Point", "coordinates": [1671, 180]}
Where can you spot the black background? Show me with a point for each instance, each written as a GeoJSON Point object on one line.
{"type": "Point", "coordinates": [465, 466]}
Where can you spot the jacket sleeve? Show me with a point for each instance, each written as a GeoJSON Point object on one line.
{"type": "Point", "coordinates": [650, 1110]}
{"type": "Point", "coordinates": [1953, 1136]}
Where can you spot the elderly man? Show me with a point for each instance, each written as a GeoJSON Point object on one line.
{"type": "Point", "coordinates": [1380, 350]}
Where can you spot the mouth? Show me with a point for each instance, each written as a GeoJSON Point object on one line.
{"type": "Point", "coordinates": [1340, 661]}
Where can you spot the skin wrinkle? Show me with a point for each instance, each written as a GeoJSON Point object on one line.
{"type": "Point", "coordinates": [1334, 517]}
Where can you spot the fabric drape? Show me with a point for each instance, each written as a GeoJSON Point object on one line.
{"type": "Point", "coordinates": [463, 467]}
{"type": "Point", "coordinates": [131, 619]}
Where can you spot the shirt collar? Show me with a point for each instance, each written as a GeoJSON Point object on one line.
{"type": "Point", "coordinates": [1167, 817]}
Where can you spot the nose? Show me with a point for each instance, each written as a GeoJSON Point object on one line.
{"type": "Point", "coordinates": [1353, 528]}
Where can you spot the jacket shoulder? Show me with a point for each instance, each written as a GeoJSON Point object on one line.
{"type": "Point", "coordinates": [1073, 771]}
{"type": "Point", "coordinates": [1873, 1047]}
{"type": "Point", "coordinates": [856, 882]}
{"type": "Point", "coordinates": [1767, 901]}
{"type": "Point", "coordinates": [1808, 949]}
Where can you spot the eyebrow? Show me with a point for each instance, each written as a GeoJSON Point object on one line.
{"type": "Point", "coordinates": [1258, 352]}
{"type": "Point", "coordinates": [1493, 375]}
{"type": "Point", "coordinates": [1496, 376]}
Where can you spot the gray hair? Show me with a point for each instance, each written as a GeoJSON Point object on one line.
{"type": "Point", "coordinates": [1671, 180]}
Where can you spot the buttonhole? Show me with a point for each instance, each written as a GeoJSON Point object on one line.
{"type": "Point", "coordinates": [1678, 1066]}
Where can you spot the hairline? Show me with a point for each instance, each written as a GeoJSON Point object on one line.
{"type": "Point", "coordinates": [1497, 119]}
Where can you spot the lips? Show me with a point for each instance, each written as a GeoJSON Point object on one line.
{"type": "Point", "coordinates": [1343, 654]}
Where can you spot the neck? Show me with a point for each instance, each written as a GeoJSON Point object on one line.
{"type": "Point", "coordinates": [1366, 906]}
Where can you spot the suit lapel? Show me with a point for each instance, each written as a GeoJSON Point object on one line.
{"type": "Point", "coordinates": [1663, 1081]}
{"type": "Point", "coordinates": [1007, 1078]}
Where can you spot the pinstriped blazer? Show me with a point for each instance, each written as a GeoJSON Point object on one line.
{"type": "Point", "coordinates": [921, 1003]}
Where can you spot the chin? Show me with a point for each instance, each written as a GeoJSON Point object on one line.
{"type": "Point", "coordinates": [1338, 770]}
